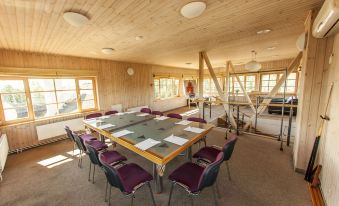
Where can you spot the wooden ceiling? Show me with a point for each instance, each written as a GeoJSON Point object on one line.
{"type": "Point", "coordinates": [226, 30]}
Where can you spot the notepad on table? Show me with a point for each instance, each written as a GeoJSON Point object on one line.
{"type": "Point", "coordinates": [122, 133]}
{"type": "Point", "coordinates": [176, 140]}
{"type": "Point", "coordinates": [143, 115]}
{"type": "Point", "coordinates": [161, 118]}
{"type": "Point", "coordinates": [146, 144]}
{"type": "Point", "coordinates": [194, 129]}
{"type": "Point", "coordinates": [105, 117]}
{"type": "Point", "coordinates": [119, 113]}
{"type": "Point", "coordinates": [130, 112]}
{"type": "Point", "coordinates": [105, 126]}
{"type": "Point", "coordinates": [183, 122]}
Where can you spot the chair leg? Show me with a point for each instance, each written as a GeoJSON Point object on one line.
{"type": "Point", "coordinates": [214, 195]}
{"type": "Point", "coordinates": [89, 172]}
{"type": "Point", "coordinates": [192, 200]}
{"type": "Point", "coordinates": [73, 148]}
{"type": "Point", "coordinates": [106, 191]}
{"type": "Point", "coordinates": [93, 173]}
{"type": "Point", "coordinates": [228, 171]}
{"type": "Point", "coordinates": [132, 198]}
{"type": "Point", "coordinates": [170, 195]}
{"type": "Point", "coordinates": [205, 141]}
{"type": "Point", "coordinates": [109, 196]}
{"type": "Point", "coordinates": [150, 189]}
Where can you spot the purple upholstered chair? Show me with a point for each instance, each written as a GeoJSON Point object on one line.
{"type": "Point", "coordinates": [157, 113]}
{"type": "Point", "coordinates": [174, 115]}
{"type": "Point", "coordinates": [146, 110]}
{"type": "Point", "coordinates": [209, 154]}
{"type": "Point", "coordinates": [109, 157]}
{"type": "Point", "coordinates": [194, 178]}
{"type": "Point", "coordinates": [200, 120]}
{"type": "Point", "coordinates": [80, 142]}
{"type": "Point", "coordinates": [111, 112]}
{"type": "Point", "coordinates": [128, 178]}
{"type": "Point", "coordinates": [93, 115]}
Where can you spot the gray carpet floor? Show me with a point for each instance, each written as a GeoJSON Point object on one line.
{"type": "Point", "coordinates": [261, 175]}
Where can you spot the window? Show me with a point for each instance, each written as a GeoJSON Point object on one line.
{"type": "Point", "coordinates": [166, 88]}
{"type": "Point", "coordinates": [209, 87]}
{"type": "Point", "coordinates": [268, 81]}
{"type": "Point", "coordinates": [49, 97]}
{"type": "Point", "coordinates": [248, 81]}
{"type": "Point", "coordinates": [13, 99]}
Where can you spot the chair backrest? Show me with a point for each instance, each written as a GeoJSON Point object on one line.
{"type": "Point", "coordinates": [210, 173]}
{"type": "Point", "coordinates": [174, 115]}
{"type": "Point", "coordinates": [229, 146]}
{"type": "Point", "coordinates": [111, 112]}
{"type": "Point", "coordinates": [93, 153]}
{"type": "Point", "coordinates": [79, 142]}
{"type": "Point", "coordinates": [196, 119]}
{"type": "Point", "coordinates": [157, 113]}
{"type": "Point", "coordinates": [69, 133]}
{"type": "Point", "coordinates": [146, 110]}
{"type": "Point", "coordinates": [112, 176]}
{"type": "Point", "coordinates": [93, 115]}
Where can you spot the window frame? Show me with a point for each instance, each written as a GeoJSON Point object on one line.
{"type": "Point", "coordinates": [234, 80]}
{"type": "Point", "coordinates": [277, 79]}
{"type": "Point", "coordinates": [28, 93]}
{"type": "Point", "coordinates": [174, 79]}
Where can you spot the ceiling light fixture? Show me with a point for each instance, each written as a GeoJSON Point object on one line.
{"type": "Point", "coordinates": [188, 63]}
{"type": "Point", "coordinates": [253, 65]}
{"type": "Point", "coordinates": [193, 9]}
{"type": "Point", "coordinates": [271, 48]}
{"type": "Point", "coordinates": [75, 19]}
{"type": "Point", "coordinates": [107, 51]}
{"type": "Point", "coordinates": [264, 31]}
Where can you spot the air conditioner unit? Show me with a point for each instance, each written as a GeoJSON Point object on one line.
{"type": "Point", "coordinates": [326, 22]}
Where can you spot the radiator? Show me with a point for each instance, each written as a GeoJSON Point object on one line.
{"type": "Point", "coordinates": [56, 129]}
{"type": "Point", "coordinates": [3, 153]}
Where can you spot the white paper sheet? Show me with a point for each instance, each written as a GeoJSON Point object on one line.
{"type": "Point", "coordinates": [119, 113]}
{"type": "Point", "coordinates": [131, 112]}
{"type": "Point", "coordinates": [176, 140]}
{"type": "Point", "coordinates": [194, 129]}
{"type": "Point", "coordinates": [122, 133]}
{"type": "Point", "coordinates": [105, 126]}
{"type": "Point", "coordinates": [105, 117]}
{"type": "Point", "coordinates": [143, 115]}
{"type": "Point", "coordinates": [146, 144]}
{"type": "Point", "coordinates": [183, 122]}
{"type": "Point", "coordinates": [162, 118]}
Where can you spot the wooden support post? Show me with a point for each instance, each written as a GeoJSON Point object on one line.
{"type": "Point", "coordinates": [201, 83]}
{"type": "Point", "coordinates": [220, 92]}
{"type": "Point", "coordinates": [242, 87]}
{"type": "Point", "coordinates": [294, 64]}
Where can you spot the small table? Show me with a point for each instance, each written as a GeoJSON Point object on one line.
{"type": "Point", "coordinates": [158, 130]}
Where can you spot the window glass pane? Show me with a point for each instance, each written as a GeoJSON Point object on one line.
{"type": "Point", "coordinates": [65, 84]}
{"type": "Point", "coordinates": [43, 110]}
{"type": "Point", "coordinates": [13, 100]}
{"type": "Point", "coordinates": [67, 96]}
{"type": "Point", "coordinates": [11, 86]}
{"type": "Point", "coordinates": [86, 94]}
{"type": "Point", "coordinates": [41, 84]}
{"type": "Point", "coordinates": [169, 87]}
{"type": "Point", "coordinates": [43, 97]}
{"type": "Point", "coordinates": [163, 88]}
{"type": "Point", "coordinates": [68, 107]}
{"type": "Point", "coordinates": [264, 89]}
{"type": "Point", "coordinates": [86, 84]}
{"type": "Point", "coordinates": [156, 88]}
{"type": "Point", "coordinates": [273, 76]}
{"type": "Point", "coordinates": [265, 77]}
{"type": "Point", "coordinates": [88, 104]}
{"type": "Point", "coordinates": [290, 89]}
{"type": "Point", "coordinates": [292, 76]}
{"type": "Point", "coordinates": [16, 113]}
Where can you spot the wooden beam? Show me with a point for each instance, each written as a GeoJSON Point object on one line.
{"type": "Point", "coordinates": [242, 87]}
{"type": "Point", "coordinates": [220, 92]}
{"type": "Point", "coordinates": [294, 64]}
{"type": "Point", "coordinates": [201, 75]}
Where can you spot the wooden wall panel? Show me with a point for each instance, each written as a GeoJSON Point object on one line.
{"type": "Point", "coordinates": [114, 85]}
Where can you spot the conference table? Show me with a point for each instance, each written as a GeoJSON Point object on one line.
{"type": "Point", "coordinates": [158, 139]}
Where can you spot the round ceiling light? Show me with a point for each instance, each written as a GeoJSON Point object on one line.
{"type": "Point", "coordinates": [75, 19]}
{"type": "Point", "coordinates": [107, 50]}
{"type": "Point", "coordinates": [193, 9]}
{"type": "Point", "coordinates": [264, 31]}
{"type": "Point", "coordinates": [253, 65]}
